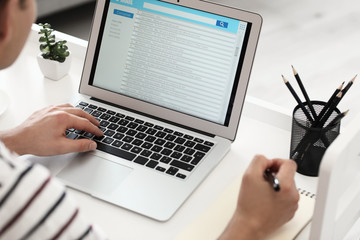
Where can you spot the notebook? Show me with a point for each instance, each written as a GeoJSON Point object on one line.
{"type": "Point", "coordinates": [168, 81]}
{"type": "Point", "coordinates": [212, 222]}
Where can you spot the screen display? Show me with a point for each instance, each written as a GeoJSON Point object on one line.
{"type": "Point", "coordinates": [171, 56]}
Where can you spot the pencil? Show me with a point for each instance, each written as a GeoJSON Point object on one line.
{"type": "Point", "coordinates": [328, 103]}
{"type": "Point", "coordinates": [337, 119]}
{"type": "Point", "coordinates": [348, 86]}
{"type": "Point", "coordinates": [332, 107]}
{"type": "Point", "coordinates": [297, 99]}
{"type": "Point", "coordinates": [303, 90]}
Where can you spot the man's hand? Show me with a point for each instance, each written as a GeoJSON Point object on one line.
{"type": "Point", "coordinates": [261, 210]}
{"type": "Point", "coordinates": [43, 133]}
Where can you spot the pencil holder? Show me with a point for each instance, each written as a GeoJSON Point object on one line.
{"type": "Point", "coordinates": [310, 139]}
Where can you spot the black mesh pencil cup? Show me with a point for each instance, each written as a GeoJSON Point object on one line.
{"type": "Point", "coordinates": [310, 139]}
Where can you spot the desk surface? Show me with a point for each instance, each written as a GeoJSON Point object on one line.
{"type": "Point", "coordinates": [24, 81]}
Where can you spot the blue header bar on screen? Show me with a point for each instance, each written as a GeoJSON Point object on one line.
{"type": "Point", "coordinates": [183, 13]}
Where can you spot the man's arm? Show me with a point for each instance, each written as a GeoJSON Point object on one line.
{"type": "Point", "coordinates": [34, 205]}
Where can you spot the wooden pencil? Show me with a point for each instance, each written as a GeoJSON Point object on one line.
{"type": "Point", "coordinates": [303, 90]}
{"type": "Point", "coordinates": [331, 109]}
{"type": "Point", "coordinates": [328, 103]}
{"type": "Point", "coordinates": [287, 83]}
{"type": "Point", "coordinates": [337, 119]}
{"type": "Point", "coordinates": [348, 86]}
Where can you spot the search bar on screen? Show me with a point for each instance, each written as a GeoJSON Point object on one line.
{"type": "Point", "coordinates": [190, 16]}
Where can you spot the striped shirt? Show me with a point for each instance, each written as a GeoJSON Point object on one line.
{"type": "Point", "coordinates": [33, 205]}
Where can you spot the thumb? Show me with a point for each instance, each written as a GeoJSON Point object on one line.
{"type": "Point", "coordinates": [78, 145]}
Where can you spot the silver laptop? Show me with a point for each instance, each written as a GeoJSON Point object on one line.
{"type": "Point", "coordinates": [167, 79]}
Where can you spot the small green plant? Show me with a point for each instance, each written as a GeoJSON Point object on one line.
{"type": "Point", "coordinates": [50, 48]}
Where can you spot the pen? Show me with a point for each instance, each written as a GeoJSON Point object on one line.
{"type": "Point", "coordinates": [272, 179]}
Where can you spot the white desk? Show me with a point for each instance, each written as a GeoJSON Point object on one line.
{"type": "Point", "coordinates": [29, 91]}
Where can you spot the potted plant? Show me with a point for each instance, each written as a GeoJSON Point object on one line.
{"type": "Point", "coordinates": [54, 59]}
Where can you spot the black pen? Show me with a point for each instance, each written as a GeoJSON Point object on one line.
{"type": "Point", "coordinates": [272, 179]}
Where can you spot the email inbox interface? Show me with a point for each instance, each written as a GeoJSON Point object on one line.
{"type": "Point", "coordinates": [171, 56]}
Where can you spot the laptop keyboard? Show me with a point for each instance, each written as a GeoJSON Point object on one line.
{"type": "Point", "coordinates": [153, 146]}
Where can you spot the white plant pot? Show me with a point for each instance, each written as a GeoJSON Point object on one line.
{"type": "Point", "coordinates": [54, 70]}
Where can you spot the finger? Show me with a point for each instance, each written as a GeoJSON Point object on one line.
{"type": "Point", "coordinates": [286, 168]}
{"type": "Point", "coordinates": [78, 145]}
{"type": "Point", "coordinates": [66, 105]}
{"type": "Point", "coordinates": [259, 164]}
{"type": "Point", "coordinates": [81, 113]}
{"type": "Point", "coordinates": [80, 123]}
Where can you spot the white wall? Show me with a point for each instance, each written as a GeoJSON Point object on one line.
{"type": "Point", "coordinates": [46, 7]}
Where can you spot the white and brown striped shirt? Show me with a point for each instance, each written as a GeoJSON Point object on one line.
{"type": "Point", "coordinates": [33, 205]}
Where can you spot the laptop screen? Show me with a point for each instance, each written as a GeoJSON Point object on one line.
{"type": "Point", "coordinates": [172, 56]}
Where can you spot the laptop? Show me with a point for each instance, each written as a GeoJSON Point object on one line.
{"type": "Point", "coordinates": [337, 205]}
{"type": "Point", "coordinates": [167, 79]}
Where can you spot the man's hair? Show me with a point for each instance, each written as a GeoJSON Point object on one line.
{"type": "Point", "coordinates": [3, 4]}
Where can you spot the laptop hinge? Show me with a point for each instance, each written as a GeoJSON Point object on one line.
{"type": "Point", "coordinates": [153, 117]}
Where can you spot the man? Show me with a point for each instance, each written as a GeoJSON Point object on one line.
{"type": "Point", "coordinates": [33, 205]}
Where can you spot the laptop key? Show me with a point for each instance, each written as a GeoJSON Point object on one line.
{"type": "Point", "coordinates": [155, 156]}
{"type": "Point", "coordinates": [202, 147]}
{"type": "Point", "coordinates": [160, 134]}
{"type": "Point", "coordinates": [182, 176]}
{"type": "Point", "coordinates": [83, 104]}
{"type": "Point", "coordinates": [186, 158]}
{"type": "Point", "coordinates": [123, 122]}
{"type": "Point", "coordinates": [189, 144]}
{"type": "Point", "coordinates": [98, 138]}
{"type": "Point", "coordinates": [108, 140]}
{"type": "Point", "coordinates": [172, 170]}
{"type": "Point", "coordinates": [126, 146]}
{"type": "Point", "coordinates": [96, 114]}
{"type": "Point", "coordinates": [88, 135]}
{"type": "Point", "coordinates": [88, 110]}
{"type": "Point", "coordinates": [115, 151]}
{"type": "Point", "coordinates": [137, 142]}
{"type": "Point", "coordinates": [141, 160]}
{"type": "Point", "coordinates": [182, 165]}
{"type": "Point", "coordinates": [117, 143]}
{"type": "Point", "coordinates": [113, 126]}
{"type": "Point", "coordinates": [161, 169]}
{"type": "Point", "coordinates": [150, 139]}
{"type": "Point", "coordinates": [210, 144]}
{"type": "Point", "coordinates": [136, 150]}
{"type": "Point", "coordinates": [152, 164]}
{"type": "Point", "coordinates": [147, 145]}
{"type": "Point", "coordinates": [151, 131]}
{"type": "Point", "coordinates": [146, 153]}
{"type": "Point", "coordinates": [122, 129]}
{"type": "Point", "coordinates": [197, 157]}
{"type": "Point", "coordinates": [166, 159]}
{"type": "Point", "coordinates": [72, 136]}
{"type": "Point", "coordinates": [109, 133]}
{"type": "Point", "coordinates": [114, 119]}
{"type": "Point", "coordinates": [110, 112]}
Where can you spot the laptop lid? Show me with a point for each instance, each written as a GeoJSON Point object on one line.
{"type": "Point", "coordinates": [184, 61]}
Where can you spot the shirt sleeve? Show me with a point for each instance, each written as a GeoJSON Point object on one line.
{"type": "Point", "coordinates": [34, 205]}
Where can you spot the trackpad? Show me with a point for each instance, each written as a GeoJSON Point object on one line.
{"type": "Point", "coordinates": [93, 174]}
